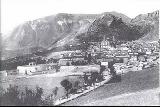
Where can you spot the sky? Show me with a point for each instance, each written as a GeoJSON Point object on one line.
{"type": "Point", "coordinates": [15, 12]}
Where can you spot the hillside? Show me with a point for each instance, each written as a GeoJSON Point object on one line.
{"type": "Point", "coordinates": [58, 32]}
{"type": "Point", "coordinates": [150, 23]}
{"type": "Point", "coordinates": [43, 33]}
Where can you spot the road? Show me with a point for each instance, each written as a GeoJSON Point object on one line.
{"type": "Point", "coordinates": [131, 82]}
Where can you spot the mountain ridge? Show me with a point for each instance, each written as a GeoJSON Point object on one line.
{"type": "Point", "coordinates": [63, 29]}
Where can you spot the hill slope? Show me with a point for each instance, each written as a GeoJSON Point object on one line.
{"type": "Point", "coordinates": [62, 30]}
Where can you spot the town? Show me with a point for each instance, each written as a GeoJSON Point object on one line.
{"type": "Point", "coordinates": [79, 53]}
{"type": "Point", "coordinates": [101, 63]}
{"type": "Point", "coordinates": [130, 55]}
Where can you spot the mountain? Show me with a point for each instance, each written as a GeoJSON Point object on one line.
{"type": "Point", "coordinates": [120, 28]}
{"type": "Point", "coordinates": [59, 32]}
{"type": "Point", "coordinates": [150, 25]}
{"type": "Point", "coordinates": [43, 33]}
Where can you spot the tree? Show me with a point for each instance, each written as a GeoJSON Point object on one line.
{"type": "Point", "coordinates": [89, 58]}
{"type": "Point", "coordinates": [100, 77]}
{"type": "Point", "coordinates": [76, 86]}
{"type": "Point", "coordinates": [102, 68]}
{"type": "Point", "coordinates": [111, 67]}
{"type": "Point", "coordinates": [14, 97]}
{"type": "Point", "coordinates": [94, 76]}
{"type": "Point", "coordinates": [55, 91]}
{"type": "Point", "coordinates": [85, 76]}
{"type": "Point", "coordinates": [49, 100]}
{"type": "Point", "coordinates": [67, 63]}
{"type": "Point", "coordinates": [67, 86]}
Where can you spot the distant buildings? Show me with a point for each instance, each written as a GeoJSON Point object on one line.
{"type": "Point", "coordinates": [131, 52]}
{"type": "Point", "coordinates": [33, 68]}
{"type": "Point", "coordinates": [68, 59]}
{"type": "Point", "coordinates": [79, 70]}
{"type": "Point", "coordinates": [105, 44]}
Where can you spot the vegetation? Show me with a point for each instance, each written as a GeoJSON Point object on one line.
{"type": "Point", "coordinates": [67, 86]}
{"type": "Point", "coordinates": [111, 67]}
{"type": "Point", "coordinates": [67, 64]}
{"type": "Point", "coordinates": [14, 97]}
{"type": "Point", "coordinates": [89, 79]}
{"type": "Point", "coordinates": [74, 87]}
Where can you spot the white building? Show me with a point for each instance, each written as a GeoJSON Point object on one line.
{"type": "Point", "coordinates": [105, 44]}
{"type": "Point", "coordinates": [3, 73]}
{"type": "Point", "coordinates": [104, 63]}
{"type": "Point", "coordinates": [32, 68]}
{"type": "Point", "coordinates": [120, 68]}
{"type": "Point", "coordinates": [148, 52]}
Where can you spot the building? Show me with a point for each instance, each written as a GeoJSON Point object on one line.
{"type": "Point", "coordinates": [105, 44]}
{"type": "Point", "coordinates": [3, 73]}
{"type": "Point", "coordinates": [80, 70]}
{"type": "Point", "coordinates": [123, 59]}
{"type": "Point", "coordinates": [72, 57]}
{"type": "Point", "coordinates": [142, 58]}
{"type": "Point", "coordinates": [94, 49]}
{"type": "Point", "coordinates": [133, 58]}
{"type": "Point", "coordinates": [104, 63]}
{"type": "Point", "coordinates": [120, 68]}
{"type": "Point", "coordinates": [64, 61]}
{"type": "Point", "coordinates": [148, 52]}
{"type": "Point", "coordinates": [33, 68]}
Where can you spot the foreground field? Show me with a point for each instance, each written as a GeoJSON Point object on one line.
{"type": "Point", "coordinates": [131, 82]}
{"type": "Point", "coordinates": [46, 82]}
{"type": "Point", "coordinates": [143, 98]}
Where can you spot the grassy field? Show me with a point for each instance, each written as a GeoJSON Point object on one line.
{"type": "Point", "coordinates": [46, 83]}
{"type": "Point", "coordinates": [142, 98]}
{"type": "Point", "coordinates": [130, 82]}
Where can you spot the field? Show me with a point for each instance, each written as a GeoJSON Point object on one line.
{"type": "Point", "coordinates": [130, 82]}
{"type": "Point", "coordinates": [47, 83]}
{"type": "Point", "coordinates": [142, 98]}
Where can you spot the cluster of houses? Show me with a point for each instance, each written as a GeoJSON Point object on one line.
{"type": "Point", "coordinates": [70, 58]}
{"type": "Point", "coordinates": [134, 58]}
{"type": "Point", "coordinates": [126, 56]}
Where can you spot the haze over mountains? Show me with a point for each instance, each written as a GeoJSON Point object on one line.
{"type": "Point", "coordinates": [61, 30]}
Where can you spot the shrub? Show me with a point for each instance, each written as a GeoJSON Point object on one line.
{"type": "Point", "coordinates": [14, 97]}
{"type": "Point", "coordinates": [67, 64]}
{"type": "Point", "coordinates": [67, 85]}
{"type": "Point", "coordinates": [77, 85]}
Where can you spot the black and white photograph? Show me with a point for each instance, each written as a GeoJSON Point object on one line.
{"type": "Point", "coordinates": [79, 53]}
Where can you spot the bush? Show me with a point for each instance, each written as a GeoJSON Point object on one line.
{"type": "Point", "coordinates": [77, 85]}
{"type": "Point", "coordinates": [13, 97]}
{"type": "Point", "coordinates": [67, 64]}
{"type": "Point", "coordinates": [49, 100]}
{"type": "Point", "coordinates": [67, 85]}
